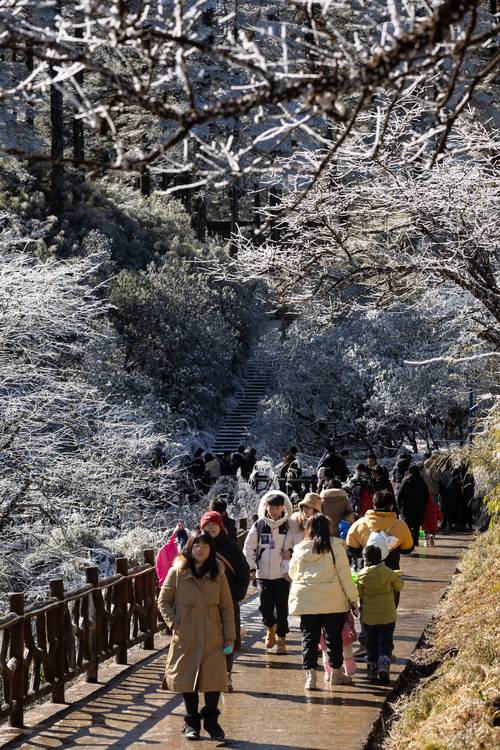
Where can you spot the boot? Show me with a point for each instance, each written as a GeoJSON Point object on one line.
{"type": "Point", "coordinates": [384, 668]}
{"type": "Point", "coordinates": [281, 648]}
{"type": "Point", "coordinates": [371, 671]}
{"type": "Point", "coordinates": [339, 678]}
{"type": "Point", "coordinates": [270, 638]}
{"type": "Point", "coordinates": [191, 728]}
{"type": "Point", "coordinates": [211, 725]}
{"type": "Point", "coordinates": [310, 679]}
{"type": "Point", "coordinates": [230, 687]}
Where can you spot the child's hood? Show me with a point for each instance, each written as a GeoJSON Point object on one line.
{"type": "Point", "coordinates": [262, 509]}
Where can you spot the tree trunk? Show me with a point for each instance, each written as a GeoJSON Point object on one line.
{"type": "Point", "coordinates": [56, 140]}
{"type": "Point", "coordinates": [200, 217]}
{"type": "Point", "coordinates": [234, 197]}
{"type": "Point", "coordinates": [145, 182]}
{"type": "Point", "coordinates": [78, 131]}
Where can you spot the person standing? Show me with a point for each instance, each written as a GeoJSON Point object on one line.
{"type": "Point", "coordinates": [412, 499]}
{"type": "Point", "coordinates": [378, 586]}
{"type": "Point", "coordinates": [195, 603]}
{"type": "Point", "coordinates": [237, 572]}
{"type": "Point", "coordinates": [267, 549]}
{"type": "Point", "coordinates": [336, 463]}
{"type": "Point", "coordinates": [321, 593]}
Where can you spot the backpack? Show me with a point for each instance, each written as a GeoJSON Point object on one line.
{"type": "Point", "coordinates": [384, 541]}
{"type": "Point", "coordinates": [165, 559]}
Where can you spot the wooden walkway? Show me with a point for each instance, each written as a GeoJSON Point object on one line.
{"type": "Point", "coordinates": [269, 708]}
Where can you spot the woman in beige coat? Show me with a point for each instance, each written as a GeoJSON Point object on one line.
{"type": "Point", "coordinates": [196, 604]}
{"type": "Point", "coordinates": [321, 592]}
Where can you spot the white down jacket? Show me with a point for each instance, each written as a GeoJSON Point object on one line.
{"type": "Point", "coordinates": [263, 551]}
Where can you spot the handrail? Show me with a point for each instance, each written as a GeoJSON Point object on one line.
{"type": "Point", "coordinates": [49, 643]}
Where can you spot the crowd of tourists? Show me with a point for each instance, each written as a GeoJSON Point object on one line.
{"type": "Point", "coordinates": [333, 558]}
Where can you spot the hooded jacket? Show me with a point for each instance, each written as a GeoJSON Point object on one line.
{"type": "Point", "coordinates": [380, 520]}
{"type": "Point", "coordinates": [377, 585]}
{"type": "Point", "coordinates": [335, 503]}
{"type": "Point", "coordinates": [320, 586]}
{"type": "Point", "coordinates": [200, 613]}
{"type": "Point", "coordinates": [267, 539]}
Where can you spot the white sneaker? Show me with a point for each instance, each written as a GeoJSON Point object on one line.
{"type": "Point", "coordinates": [310, 679]}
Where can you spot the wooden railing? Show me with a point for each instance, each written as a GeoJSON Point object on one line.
{"type": "Point", "coordinates": [44, 646]}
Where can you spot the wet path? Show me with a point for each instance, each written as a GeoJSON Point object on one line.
{"type": "Point", "coordinates": [269, 708]}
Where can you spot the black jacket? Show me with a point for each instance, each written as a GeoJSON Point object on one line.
{"type": "Point", "coordinates": [240, 578]}
{"type": "Point", "coordinates": [412, 499]}
{"type": "Point", "coordinates": [336, 464]}
{"type": "Point", "coordinates": [400, 469]}
{"type": "Point", "coordinates": [230, 526]}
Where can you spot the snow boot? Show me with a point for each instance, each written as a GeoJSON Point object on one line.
{"type": "Point", "coordinates": [339, 678]}
{"type": "Point", "coordinates": [211, 725]}
{"type": "Point", "coordinates": [281, 647]}
{"type": "Point", "coordinates": [270, 638]}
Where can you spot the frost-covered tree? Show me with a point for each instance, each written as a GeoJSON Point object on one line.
{"type": "Point", "coordinates": [354, 381]}
{"type": "Point", "coordinates": [76, 449]}
{"type": "Point", "coordinates": [288, 72]}
{"type": "Point", "coordinates": [374, 233]}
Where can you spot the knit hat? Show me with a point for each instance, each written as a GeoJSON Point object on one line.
{"type": "Point", "coordinates": [212, 517]}
{"type": "Point", "coordinates": [312, 500]}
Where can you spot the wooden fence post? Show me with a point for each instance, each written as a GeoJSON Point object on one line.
{"type": "Point", "coordinates": [16, 604]}
{"type": "Point", "coordinates": [121, 602]}
{"type": "Point", "coordinates": [92, 577]}
{"type": "Point", "coordinates": [151, 605]}
{"type": "Point", "coordinates": [57, 617]}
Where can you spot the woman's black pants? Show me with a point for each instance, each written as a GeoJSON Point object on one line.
{"type": "Point", "coordinates": [210, 712]}
{"type": "Point", "coordinates": [311, 626]}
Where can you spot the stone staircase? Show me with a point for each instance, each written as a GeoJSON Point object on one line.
{"type": "Point", "coordinates": [233, 430]}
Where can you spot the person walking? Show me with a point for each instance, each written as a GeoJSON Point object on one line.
{"type": "Point", "coordinates": [220, 506]}
{"type": "Point", "coordinates": [237, 572]}
{"type": "Point", "coordinates": [196, 604]}
{"type": "Point", "coordinates": [400, 468]}
{"type": "Point", "coordinates": [267, 549]}
{"type": "Point", "coordinates": [334, 504]}
{"type": "Point", "coordinates": [359, 489]}
{"type": "Point", "coordinates": [321, 593]}
{"type": "Point", "coordinates": [310, 505]}
{"type": "Point", "coordinates": [377, 586]}
{"type": "Point", "coordinates": [412, 499]}
{"type": "Point", "coordinates": [381, 518]}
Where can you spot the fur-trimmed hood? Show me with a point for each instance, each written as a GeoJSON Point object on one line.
{"type": "Point", "coordinates": [263, 504]}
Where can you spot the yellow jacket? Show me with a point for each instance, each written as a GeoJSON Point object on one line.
{"type": "Point", "coordinates": [318, 586]}
{"type": "Point", "coordinates": [378, 520]}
